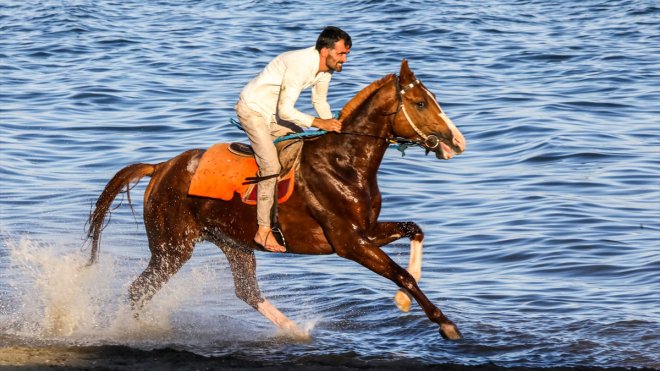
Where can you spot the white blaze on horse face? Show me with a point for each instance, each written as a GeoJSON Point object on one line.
{"type": "Point", "coordinates": [458, 138]}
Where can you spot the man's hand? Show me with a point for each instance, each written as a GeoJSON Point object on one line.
{"type": "Point", "coordinates": [328, 124]}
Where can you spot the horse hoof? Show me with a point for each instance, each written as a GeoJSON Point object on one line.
{"type": "Point", "coordinates": [402, 301]}
{"type": "Point", "coordinates": [449, 331]}
{"type": "Point", "coordinates": [301, 337]}
{"type": "Point", "coordinates": [296, 335]}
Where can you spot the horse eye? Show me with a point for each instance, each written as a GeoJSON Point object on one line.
{"type": "Point", "coordinates": [421, 105]}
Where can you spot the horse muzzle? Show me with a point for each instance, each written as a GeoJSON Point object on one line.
{"type": "Point", "coordinates": [443, 148]}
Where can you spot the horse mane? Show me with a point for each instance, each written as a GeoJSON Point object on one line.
{"type": "Point", "coordinates": [362, 96]}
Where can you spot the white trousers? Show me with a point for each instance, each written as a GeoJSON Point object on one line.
{"type": "Point", "coordinates": [262, 132]}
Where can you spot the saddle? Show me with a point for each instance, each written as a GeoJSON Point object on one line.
{"type": "Point", "coordinates": [225, 169]}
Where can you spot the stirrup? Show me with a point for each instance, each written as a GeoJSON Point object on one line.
{"type": "Point", "coordinates": [279, 236]}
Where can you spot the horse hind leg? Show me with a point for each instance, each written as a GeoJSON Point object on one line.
{"type": "Point", "coordinates": [244, 271]}
{"type": "Point", "coordinates": [171, 226]}
{"type": "Point", "coordinates": [152, 279]}
{"type": "Point", "coordinates": [168, 255]}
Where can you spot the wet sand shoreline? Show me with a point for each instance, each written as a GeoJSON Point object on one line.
{"type": "Point", "coordinates": [120, 357]}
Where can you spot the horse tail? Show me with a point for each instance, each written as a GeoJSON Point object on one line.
{"type": "Point", "coordinates": [121, 182]}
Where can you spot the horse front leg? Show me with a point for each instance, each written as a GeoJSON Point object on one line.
{"type": "Point", "coordinates": [386, 232]}
{"type": "Point", "coordinates": [375, 259]}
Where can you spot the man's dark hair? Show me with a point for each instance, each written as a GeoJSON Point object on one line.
{"type": "Point", "coordinates": [329, 36]}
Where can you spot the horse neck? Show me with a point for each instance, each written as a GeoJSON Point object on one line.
{"type": "Point", "coordinates": [364, 139]}
{"type": "Point", "coordinates": [371, 117]}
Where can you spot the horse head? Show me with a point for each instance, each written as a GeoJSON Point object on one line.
{"type": "Point", "coordinates": [419, 117]}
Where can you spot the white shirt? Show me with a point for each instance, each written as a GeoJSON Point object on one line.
{"type": "Point", "coordinates": [274, 92]}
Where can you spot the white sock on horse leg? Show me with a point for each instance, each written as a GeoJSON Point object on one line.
{"type": "Point", "coordinates": [402, 299]}
{"type": "Point", "coordinates": [415, 261]}
{"type": "Point", "coordinates": [268, 310]}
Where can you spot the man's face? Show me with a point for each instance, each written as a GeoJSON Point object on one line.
{"type": "Point", "coordinates": [336, 56]}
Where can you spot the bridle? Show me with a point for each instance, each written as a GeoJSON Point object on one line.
{"type": "Point", "coordinates": [429, 142]}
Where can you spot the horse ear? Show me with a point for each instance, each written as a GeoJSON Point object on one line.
{"type": "Point", "coordinates": [406, 74]}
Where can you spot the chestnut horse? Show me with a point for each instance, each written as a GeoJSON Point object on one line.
{"type": "Point", "coordinates": [333, 210]}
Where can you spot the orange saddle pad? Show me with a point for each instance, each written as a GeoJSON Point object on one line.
{"type": "Point", "coordinates": [221, 173]}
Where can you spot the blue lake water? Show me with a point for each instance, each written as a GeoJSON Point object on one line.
{"type": "Point", "coordinates": [542, 239]}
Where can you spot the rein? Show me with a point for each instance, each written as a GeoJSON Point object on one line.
{"type": "Point", "coordinates": [399, 143]}
{"type": "Point", "coordinates": [429, 142]}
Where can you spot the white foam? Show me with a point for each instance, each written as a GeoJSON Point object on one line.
{"type": "Point", "coordinates": [54, 297]}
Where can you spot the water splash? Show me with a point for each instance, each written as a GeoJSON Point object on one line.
{"type": "Point", "coordinates": [56, 297]}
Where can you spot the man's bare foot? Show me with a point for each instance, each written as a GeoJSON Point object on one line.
{"type": "Point", "coordinates": [271, 244]}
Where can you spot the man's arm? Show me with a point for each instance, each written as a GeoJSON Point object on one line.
{"type": "Point", "coordinates": [325, 120]}
{"type": "Point", "coordinates": [289, 93]}
{"type": "Point", "coordinates": [320, 98]}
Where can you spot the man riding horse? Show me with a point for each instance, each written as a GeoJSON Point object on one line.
{"type": "Point", "coordinates": [334, 206]}
{"type": "Point", "coordinates": [266, 110]}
